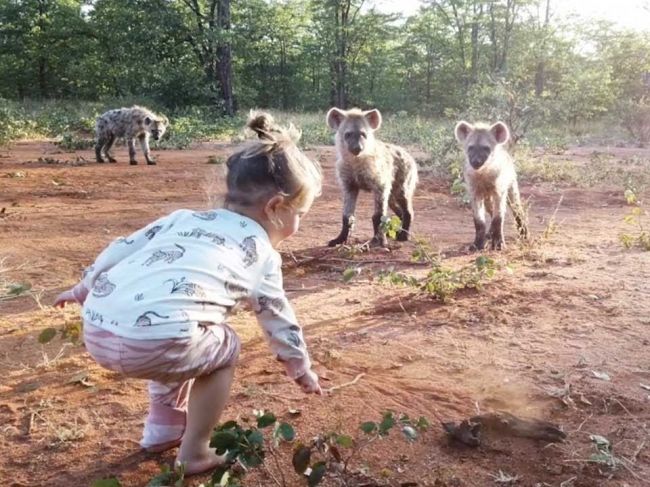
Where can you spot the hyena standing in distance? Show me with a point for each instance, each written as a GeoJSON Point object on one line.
{"type": "Point", "coordinates": [130, 123]}
{"type": "Point", "coordinates": [491, 180]}
{"type": "Point", "coordinates": [366, 163]}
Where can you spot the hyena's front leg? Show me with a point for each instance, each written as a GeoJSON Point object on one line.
{"type": "Point", "coordinates": [144, 143]}
{"type": "Point", "coordinates": [514, 201]}
{"type": "Point", "coordinates": [107, 148]}
{"type": "Point", "coordinates": [98, 149]}
{"type": "Point", "coordinates": [131, 144]}
{"type": "Point", "coordinates": [478, 209]}
{"type": "Point", "coordinates": [350, 194]}
{"type": "Point", "coordinates": [498, 218]}
{"type": "Point", "coordinates": [381, 210]}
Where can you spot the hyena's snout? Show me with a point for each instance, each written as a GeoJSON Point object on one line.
{"type": "Point", "coordinates": [477, 156]}
{"type": "Point", "coordinates": [155, 134]}
{"type": "Point", "coordinates": [354, 143]}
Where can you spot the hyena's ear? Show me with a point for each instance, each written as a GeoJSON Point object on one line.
{"type": "Point", "coordinates": [500, 132]}
{"type": "Point", "coordinates": [462, 131]}
{"type": "Point", "coordinates": [334, 118]}
{"type": "Point", "coordinates": [147, 120]}
{"type": "Point", "coordinates": [165, 120]}
{"type": "Point", "coordinates": [374, 118]}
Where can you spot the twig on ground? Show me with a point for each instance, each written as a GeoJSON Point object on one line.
{"type": "Point", "coordinates": [301, 289]}
{"type": "Point", "coordinates": [636, 420]}
{"type": "Point", "coordinates": [583, 422]}
{"type": "Point", "coordinates": [346, 384]}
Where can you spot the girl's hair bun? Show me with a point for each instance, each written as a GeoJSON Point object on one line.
{"type": "Point", "coordinates": [263, 124]}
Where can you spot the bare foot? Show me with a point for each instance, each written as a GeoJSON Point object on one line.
{"type": "Point", "coordinates": [161, 447]}
{"type": "Point", "coordinates": [205, 462]}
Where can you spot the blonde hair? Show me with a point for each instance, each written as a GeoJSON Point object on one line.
{"type": "Point", "coordinates": [271, 165]}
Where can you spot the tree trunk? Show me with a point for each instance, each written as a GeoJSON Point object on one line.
{"type": "Point", "coordinates": [42, 78]}
{"type": "Point", "coordinates": [493, 39]}
{"type": "Point", "coordinates": [224, 59]}
{"type": "Point", "coordinates": [342, 18]}
{"type": "Point", "coordinates": [509, 23]}
{"type": "Point", "coordinates": [427, 95]}
{"type": "Point", "coordinates": [478, 13]}
{"type": "Point", "coordinates": [540, 73]}
{"type": "Point", "coordinates": [42, 61]}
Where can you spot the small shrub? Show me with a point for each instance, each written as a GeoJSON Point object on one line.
{"type": "Point", "coordinates": [442, 283]}
{"type": "Point", "coordinates": [218, 160]}
{"type": "Point", "coordinates": [639, 236]}
{"type": "Point", "coordinates": [636, 120]}
{"type": "Point", "coordinates": [71, 330]}
{"type": "Point", "coordinates": [71, 142]}
{"type": "Point", "coordinates": [245, 447]}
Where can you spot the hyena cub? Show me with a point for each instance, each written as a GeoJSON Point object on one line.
{"type": "Point", "coordinates": [365, 163]}
{"type": "Point", "coordinates": [491, 180]}
{"type": "Point", "coordinates": [130, 123]}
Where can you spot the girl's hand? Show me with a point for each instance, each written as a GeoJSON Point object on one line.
{"type": "Point", "coordinates": [63, 298]}
{"type": "Point", "coordinates": [75, 295]}
{"type": "Point", "coordinates": [309, 383]}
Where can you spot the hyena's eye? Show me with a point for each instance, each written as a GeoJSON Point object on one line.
{"type": "Point", "coordinates": [362, 134]}
{"type": "Point", "coordinates": [479, 149]}
{"type": "Point", "coordinates": [347, 135]}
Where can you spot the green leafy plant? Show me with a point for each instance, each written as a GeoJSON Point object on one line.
{"type": "Point", "coordinates": [350, 273]}
{"type": "Point", "coordinates": [168, 477]}
{"type": "Point", "coordinates": [443, 283]}
{"type": "Point", "coordinates": [71, 330]}
{"type": "Point", "coordinates": [458, 187]}
{"type": "Point", "coordinates": [638, 236]}
{"type": "Point", "coordinates": [244, 448]}
{"type": "Point", "coordinates": [10, 290]}
{"type": "Point", "coordinates": [334, 452]}
{"type": "Point", "coordinates": [111, 482]}
{"type": "Point", "coordinates": [423, 252]}
{"type": "Point", "coordinates": [391, 226]}
{"type": "Point", "coordinates": [604, 454]}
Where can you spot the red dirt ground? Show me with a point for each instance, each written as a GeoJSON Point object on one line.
{"type": "Point", "coordinates": [571, 305]}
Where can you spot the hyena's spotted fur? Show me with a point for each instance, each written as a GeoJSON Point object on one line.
{"type": "Point", "coordinates": [131, 123]}
{"type": "Point", "coordinates": [365, 163]}
{"type": "Point", "coordinates": [491, 179]}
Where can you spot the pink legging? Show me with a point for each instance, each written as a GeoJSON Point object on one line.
{"type": "Point", "coordinates": [170, 365]}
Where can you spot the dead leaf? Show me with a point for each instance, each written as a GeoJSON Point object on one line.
{"type": "Point", "coordinates": [643, 386]}
{"type": "Point", "coordinates": [584, 400]}
{"type": "Point", "coordinates": [600, 375]}
{"type": "Point", "coordinates": [81, 378]}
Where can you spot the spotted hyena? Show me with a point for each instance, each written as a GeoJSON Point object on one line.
{"type": "Point", "coordinates": [492, 181]}
{"type": "Point", "coordinates": [130, 123]}
{"type": "Point", "coordinates": [366, 163]}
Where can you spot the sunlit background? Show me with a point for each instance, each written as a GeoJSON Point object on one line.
{"type": "Point", "coordinates": [634, 14]}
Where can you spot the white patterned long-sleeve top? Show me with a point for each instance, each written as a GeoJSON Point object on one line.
{"type": "Point", "coordinates": [191, 267]}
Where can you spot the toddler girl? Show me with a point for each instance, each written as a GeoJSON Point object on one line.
{"type": "Point", "coordinates": [155, 303]}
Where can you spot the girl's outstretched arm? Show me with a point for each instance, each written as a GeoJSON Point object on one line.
{"type": "Point", "coordinates": [276, 316]}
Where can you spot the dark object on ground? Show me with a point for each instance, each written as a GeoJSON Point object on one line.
{"type": "Point", "coordinates": [501, 423]}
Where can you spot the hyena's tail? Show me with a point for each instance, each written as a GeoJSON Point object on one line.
{"type": "Point", "coordinates": [518, 210]}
